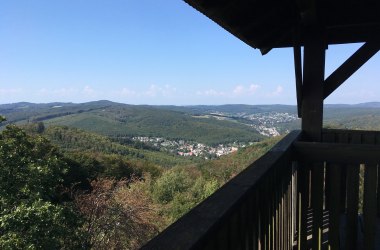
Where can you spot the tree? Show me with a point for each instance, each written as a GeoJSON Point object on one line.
{"type": "Point", "coordinates": [31, 170]}
{"type": "Point", "coordinates": [118, 214]}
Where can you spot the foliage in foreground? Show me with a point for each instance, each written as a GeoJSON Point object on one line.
{"type": "Point", "coordinates": [118, 214]}
{"type": "Point", "coordinates": [97, 199]}
{"type": "Point", "coordinates": [31, 171]}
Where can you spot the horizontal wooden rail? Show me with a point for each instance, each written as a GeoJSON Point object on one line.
{"type": "Point", "coordinates": [337, 152]}
{"type": "Point", "coordinates": [213, 223]}
{"type": "Point", "coordinates": [267, 206]}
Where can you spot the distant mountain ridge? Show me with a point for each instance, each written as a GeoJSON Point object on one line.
{"type": "Point", "coordinates": [210, 124]}
{"type": "Point", "coordinates": [118, 120]}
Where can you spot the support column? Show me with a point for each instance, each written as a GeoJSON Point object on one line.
{"type": "Point", "coordinates": [312, 92]}
{"type": "Point", "coordinates": [312, 121]}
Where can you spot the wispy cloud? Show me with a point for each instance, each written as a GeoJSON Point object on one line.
{"type": "Point", "coordinates": [237, 91]}
{"type": "Point", "coordinates": [210, 92]}
{"type": "Point", "coordinates": [10, 91]}
{"type": "Point", "coordinates": [277, 92]}
{"type": "Point", "coordinates": [253, 88]}
{"type": "Point", "coordinates": [60, 92]}
{"type": "Point", "coordinates": [89, 91]}
{"type": "Point", "coordinates": [155, 90]}
{"type": "Point", "coordinates": [128, 92]}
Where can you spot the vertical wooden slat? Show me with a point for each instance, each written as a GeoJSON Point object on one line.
{"type": "Point", "coordinates": [278, 211]}
{"type": "Point", "coordinates": [255, 222]}
{"type": "Point", "coordinates": [233, 231]}
{"type": "Point", "coordinates": [273, 211]}
{"type": "Point", "coordinates": [378, 190]}
{"type": "Point", "coordinates": [267, 212]}
{"type": "Point", "coordinates": [317, 203]}
{"type": "Point", "coordinates": [377, 141]}
{"type": "Point", "coordinates": [343, 138]}
{"type": "Point", "coordinates": [270, 212]}
{"type": "Point", "coordinates": [334, 205]}
{"type": "Point", "coordinates": [261, 202]}
{"type": "Point", "coordinates": [370, 202]}
{"type": "Point", "coordinates": [260, 227]}
{"type": "Point", "coordinates": [352, 201]}
{"type": "Point", "coordinates": [285, 218]}
{"type": "Point", "coordinates": [294, 203]}
{"type": "Point", "coordinates": [222, 238]}
{"type": "Point", "coordinates": [302, 205]}
{"type": "Point", "coordinates": [252, 212]}
{"type": "Point", "coordinates": [369, 206]}
{"type": "Point", "coordinates": [290, 218]}
{"type": "Point", "coordinates": [328, 138]}
{"type": "Point", "coordinates": [280, 217]}
{"type": "Point", "coordinates": [243, 222]}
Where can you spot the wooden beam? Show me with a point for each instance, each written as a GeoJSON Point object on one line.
{"type": "Point", "coordinates": [298, 75]}
{"type": "Point", "coordinates": [350, 66]}
{"type": "Point", "coordinates": [312, 90]}
{"type": "Point", "coordinates": [337, 152]}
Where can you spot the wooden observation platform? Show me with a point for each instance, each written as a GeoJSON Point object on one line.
{"type": "Point", "coordinates": [304, 193]}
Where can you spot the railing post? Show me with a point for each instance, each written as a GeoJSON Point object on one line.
{"type": "Point", "coordinates": [302, 206]}
{"type": "Point", "coordinates": [312, 117]}
{"type": "Point", "coordinates": [352, 201]}
{"type": "Point", "coordinates": [370, 202]}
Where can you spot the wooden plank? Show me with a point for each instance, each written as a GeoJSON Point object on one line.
{"type": "Point", "coordinates": [233, 231]}
{"type": "Point", "coordinates": [350, 132]}
{"type": "Point", "coordinates": [352, 206]}
{"type": "Point", "coordinates": [272, 210]}
{"type": "Point", "coordinates": [312, 91]}
{"type": "Point", "coordinates": [334, 205]}
{"type": "Point", "coordinates": [254, 221]}
{"type": "Point", "coordinates": [343, 138]}
{"type": "Point", "coordinates": [294, 202]}
{"type": "Point", "coordinates": [302, 206]}
{"type": "Point", "coordinates": [298, 76]}
{"type": "Point", "coordinates": [370, 201]}
{"type": "Point", "coordinates": [352, 200]}
{"type": "Point", "coordinates": [336, 152]}
{"type": "Point", "coordinates": [369, 206]}
{"type": "Point", "coordinates": [223, 238]}
{"type": "Point", "coordinates": [327, 137]}
{"type": "Point", "coordinates": [262, 217]}
{"type": "Point", "coordinates": [317, 203]}
{"type": "Point", "coordinates": [349, 67]}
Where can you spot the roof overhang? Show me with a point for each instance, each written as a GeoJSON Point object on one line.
{"type": "Point", "coordinates": [267, 24]}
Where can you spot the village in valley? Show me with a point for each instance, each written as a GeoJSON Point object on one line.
{"type": "Point", "coordinates": [187, 148]}
{"type": "Point", "coordinates": [265, 123]}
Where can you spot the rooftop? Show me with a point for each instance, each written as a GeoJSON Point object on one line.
{"type": "Point", "coordinates": [267, 24]}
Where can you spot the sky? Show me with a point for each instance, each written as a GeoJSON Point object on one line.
{"type": "Point", "coordinates": [154, 52]}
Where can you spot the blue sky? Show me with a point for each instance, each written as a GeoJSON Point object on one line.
{"type": "Point", "coordinates": [147, 52]}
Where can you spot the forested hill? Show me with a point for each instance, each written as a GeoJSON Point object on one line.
{"type": "Point", "coordinates": [119, 120]}
{"type": "Point", "coordinates": [198, 123]}
{"type": "Point", "coordinates": [76, 140]}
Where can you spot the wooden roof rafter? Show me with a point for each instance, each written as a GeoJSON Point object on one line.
{"type": "Point", "coordinates": [273, 23]}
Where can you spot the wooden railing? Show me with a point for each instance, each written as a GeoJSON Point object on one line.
{"type": "Point", "coordinates": [291, 198]}
{"type": "Point", "coordinates": [330, 178]}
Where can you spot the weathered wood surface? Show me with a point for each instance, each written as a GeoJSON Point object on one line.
{"type": "Point", "coordinates": [349, 67]}
{"type": "Point", "coordinates": [312, 88]}
{"type": "Point", "coordinates": [337, 152]}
